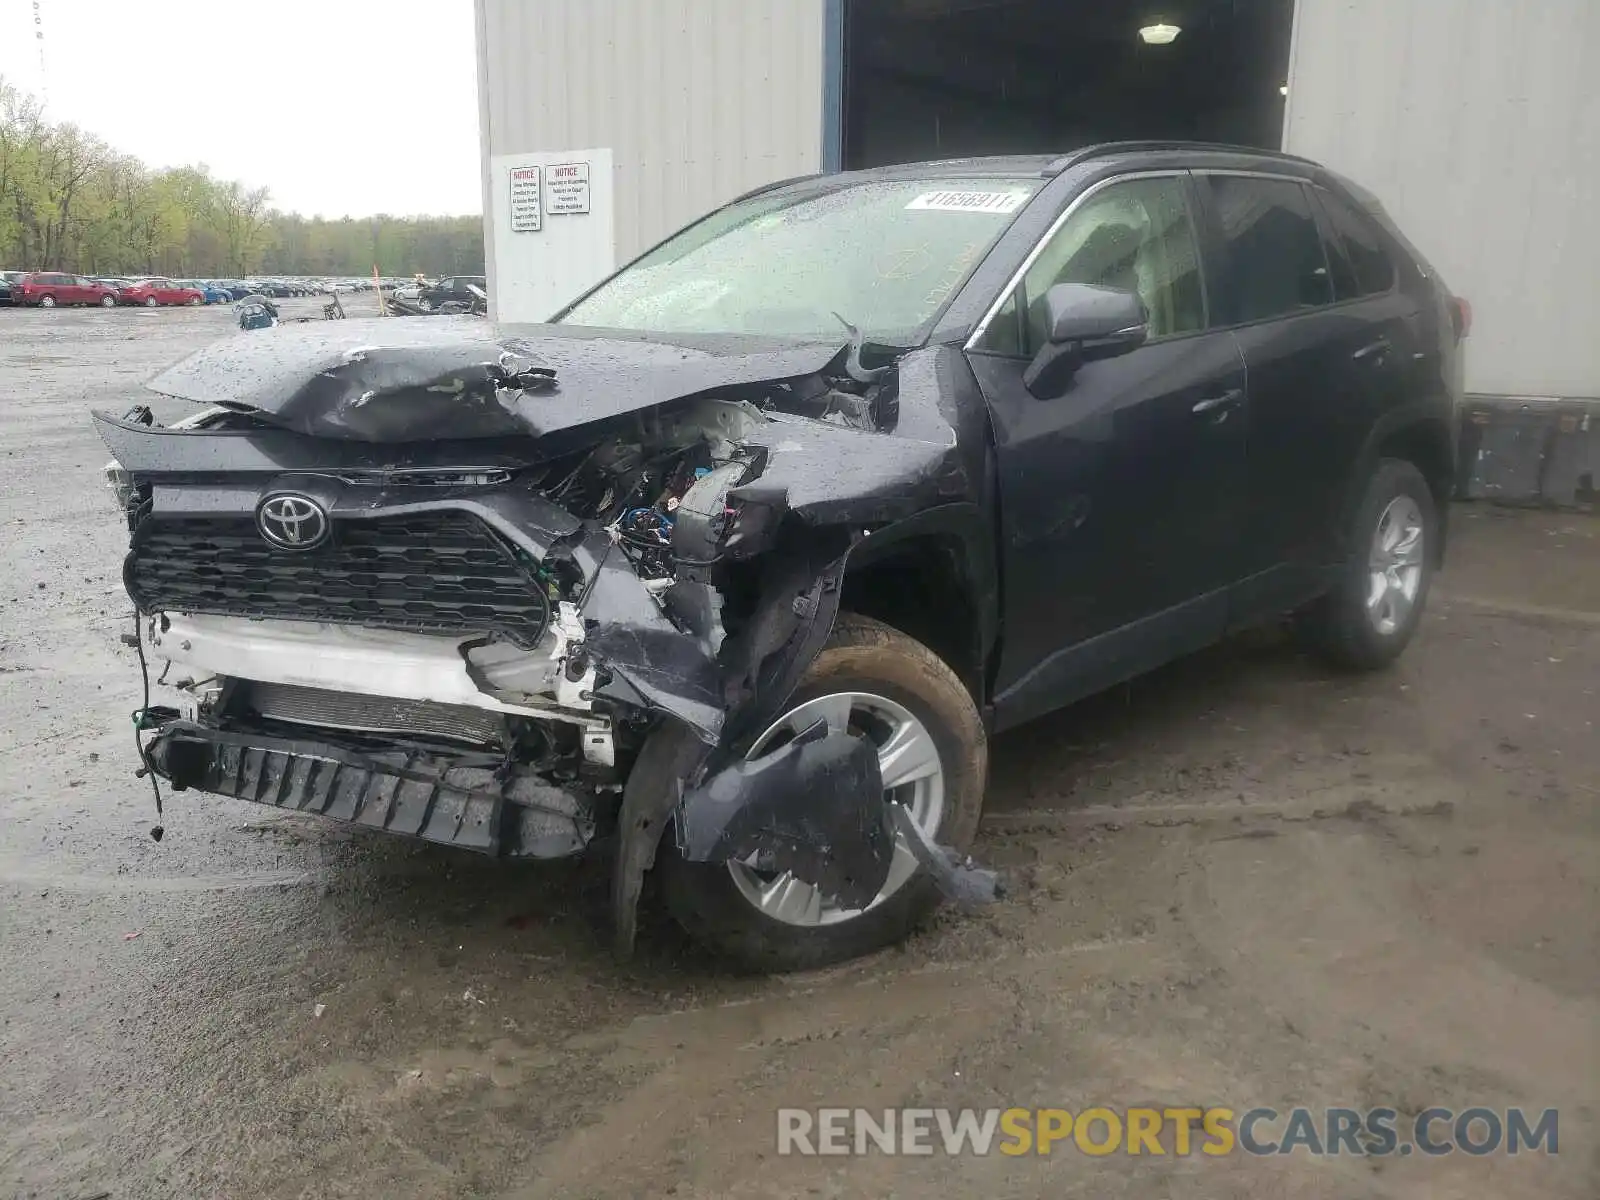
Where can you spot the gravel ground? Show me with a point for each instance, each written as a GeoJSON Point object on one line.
{"type": "Point", "coordinates": [1242, 881]}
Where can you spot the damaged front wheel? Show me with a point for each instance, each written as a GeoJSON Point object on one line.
{"type": "Point", "coordinates": [875, 682]}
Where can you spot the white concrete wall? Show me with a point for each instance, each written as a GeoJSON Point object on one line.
{"type": "Point", "coordinates": [698, 100]}
{"type": "Point", "coordinates": [1477, 123]}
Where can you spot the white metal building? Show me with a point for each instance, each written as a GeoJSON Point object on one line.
{"type": "Point", "coordinates": [1473, 121]}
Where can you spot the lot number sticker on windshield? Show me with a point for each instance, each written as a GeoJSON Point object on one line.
{"type": "Point", "coordinates": [980, 202]}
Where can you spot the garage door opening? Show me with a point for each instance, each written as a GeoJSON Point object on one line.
{"type": "Point", "coordinates": [948, 78]}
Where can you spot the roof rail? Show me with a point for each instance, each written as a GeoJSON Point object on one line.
{"type": "Point", "coordinates": [775, 184]}
{"type": "Point", "coordinates": [1103, 149]}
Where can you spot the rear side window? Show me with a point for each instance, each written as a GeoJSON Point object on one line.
{"type": "Point", "coordinates": [1277, 266]}
{"type": "Point", "coordinates": [1361, 265]}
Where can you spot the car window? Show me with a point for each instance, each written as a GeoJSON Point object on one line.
{"type": "Point", "coordinates": [1361, 266]}
{"type": "Point", "coordinates": [1277, 266]}
{"type": "Point", "coordinates": [1135, 236]}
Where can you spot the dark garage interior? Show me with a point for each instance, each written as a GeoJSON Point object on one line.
{"type": "Point", "coordinates": [948, 78]}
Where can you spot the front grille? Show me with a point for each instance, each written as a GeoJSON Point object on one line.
{"type": "Point", "coordinates": [371, 714]}
{"type": "Point", "coordinates": [435, 572]}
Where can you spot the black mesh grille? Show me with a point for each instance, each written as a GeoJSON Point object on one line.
{"type": "Point", "coordinates": [438, 572]}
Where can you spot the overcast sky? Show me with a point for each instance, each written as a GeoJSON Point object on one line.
{"type": "Point", "coordinates": [305, 96]}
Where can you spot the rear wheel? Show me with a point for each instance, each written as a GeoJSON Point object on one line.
{"type": "Point", "coordinates": [1370, 616]}
{"type": "Point", "coordinates": [882, 685]}
{"type": "Point", "coordinates": [47, 301]}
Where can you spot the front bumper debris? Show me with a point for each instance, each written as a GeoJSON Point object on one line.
{"type": "Point", "coordinates": [450, 800]}
{"type": "Point", "coordinates": [813, 808]}
{"type": "Point", "coordinates": [959, 879]}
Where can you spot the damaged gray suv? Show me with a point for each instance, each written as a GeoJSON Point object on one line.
{"type": "Point", "coordinates": [730, 569]}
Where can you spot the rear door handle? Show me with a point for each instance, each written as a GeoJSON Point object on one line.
{"type": "Point", "coordinates": [1219, 404]}
{"type": "Point", "coordinates": [1375, 350]}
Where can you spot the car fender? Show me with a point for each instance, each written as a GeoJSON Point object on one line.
{"type": "Point", "coordinates": [797, 611]}
{"type": "Point", "coordinates": [1431, 419]}
{"type": "Point", "coordinates": [963, 531]}
{"type": "Point", "coordinates": [792, 622]}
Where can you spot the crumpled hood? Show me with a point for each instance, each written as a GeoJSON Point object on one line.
{"type": "Point", "coordinates": [404, 380]}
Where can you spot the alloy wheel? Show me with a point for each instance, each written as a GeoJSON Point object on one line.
{"type": "Point", "coordinates": [1395, 565]}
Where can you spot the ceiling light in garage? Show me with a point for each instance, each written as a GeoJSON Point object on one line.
{"type": "Point", "coordinates": [1159, 34]}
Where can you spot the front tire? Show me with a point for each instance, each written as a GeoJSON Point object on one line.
{"type": "Point", "coordinates": [150, 302]}
{"type": "Point", "coordinates": [1372, 613]}
{"type": "Point", "coordinates": [47, 301]}
{"type": "Point", "coordinates": [192, 301]}
{"type": "Point", "coordinates": [108, 301]}
{"type": "Point", "coordinates": [894, 685]}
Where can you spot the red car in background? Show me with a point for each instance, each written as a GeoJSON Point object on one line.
{"type": "Point", "coordinates": [151, 292]}
{"type": "Point", "coordinates": [50, 288]}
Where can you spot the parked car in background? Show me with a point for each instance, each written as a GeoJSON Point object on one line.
{"type": "Point", "coordinates": [153, 292]}
{"type": "Point", "coordinates": [8, 279]}
{"type": "Point", "coordinates": [48, 289]}
{"type": "Point", "coordinates": [412, 291]}
{"type": "Point", "coordinates": [209, 292]}
{"type": "Point", "coordinates": [453, 287]}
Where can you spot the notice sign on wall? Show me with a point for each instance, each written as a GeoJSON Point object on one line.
{"type": "Point", "coordinates": [532, 275]}
{"type": "Point", "coordinates": [527, 200]}
{"type": "Point", "coordinates": [567, 188]}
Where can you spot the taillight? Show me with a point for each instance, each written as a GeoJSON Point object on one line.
{"type": "Point", "coordinates": [1460, 316]}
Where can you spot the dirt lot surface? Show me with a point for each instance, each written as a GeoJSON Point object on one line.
{"type": "Point", "coordinates": [1240, 882]}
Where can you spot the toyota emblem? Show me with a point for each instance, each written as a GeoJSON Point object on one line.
{"type": "Point", "coordinates": [292, 522]}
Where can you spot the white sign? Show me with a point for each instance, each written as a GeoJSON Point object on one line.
{"type": "Point", "coordinates": [566, 189]}
{"type": "Point", "coordinates": [980, 202]}
{"type": "Point", "coordinates": [527, 200]}
{"type": "Point", "coordinates": [531, 278]}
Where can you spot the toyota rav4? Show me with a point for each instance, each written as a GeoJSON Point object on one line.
{"type": "Point", "coordinates": [733, 566]}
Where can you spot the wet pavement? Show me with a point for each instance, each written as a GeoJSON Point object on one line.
{"type": "Point", "coordinates": [1243, 881]}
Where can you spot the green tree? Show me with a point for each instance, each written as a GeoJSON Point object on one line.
{"type": "Point", "coordinates": [70, 202]}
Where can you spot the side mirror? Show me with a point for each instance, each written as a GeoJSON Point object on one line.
{"type": "Point", "coordinates": [1083, 323]}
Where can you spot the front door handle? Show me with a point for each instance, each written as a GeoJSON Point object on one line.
{"type": "Point", "coordinates": [1220, 404]}
{"type": "Point", "coordinates": [1373, 350]}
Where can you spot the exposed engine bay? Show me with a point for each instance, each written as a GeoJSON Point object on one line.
{"type": "Point", "coordinates": [448, 588]}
